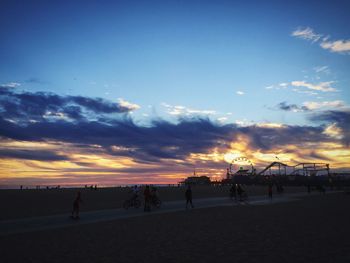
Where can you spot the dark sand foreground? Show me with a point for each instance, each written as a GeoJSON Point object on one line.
{"type": "Point", "coordinates": [15, 204]}
{"type": "Point", "coordinates": [315, 229]}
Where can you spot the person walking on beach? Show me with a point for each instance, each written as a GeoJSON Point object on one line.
{"type": "Point", "coordinates": [188, 195]}
{"type": "Point", "coordinates": [147, 195]}
{"type": "Point", "coordinates": [135, 192]}
{"type": "Point", "coordinates": [233, 192]}
{"type": "Point", "coordinates": [76, 206]}
{"type": "Point", "coordinates": [270, 191]}
{"type": "Point", "coordinates": [240, 192]}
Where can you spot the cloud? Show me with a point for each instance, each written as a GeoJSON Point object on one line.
{"type": "Point", "coordinates": [336, 46]}
{"type": "Point", "coordinates": [337, 118]}
{"type": "Point", "coordinates": [341, 117]}
{"type": "Point", "coordinates": [307, 92]}
{"type": "Point", "coordinates": [334, 131]}
{"type": "Point", "coordinates": [222, 119]}
{"type": "Point", "coordinates": [99, 105]}
{"type": "Point", "coordinates": [322, 86]}
{"type": "Point", "coordinates": [38, 155]}
{"type": "Point", "coordinates": [128, 105]}
{"type": "Point", "coordinates": [240, 93]}
{"type": "Point", "coordinates": [307, 34]}
{"type": "Point", "coordinates": [314, 105]}
{"type": "Point", "coordinates": [10, 85]}
{"type": "Point", "coordinates": [311, 105]}
{"type": "Point", "coordinates": [115, 144]}
{"type": "Point", "coordinates": [161, 140]}
{"type": "Point", "coordinates": [291, 107]}
{"type": "Point", "coordinates": [322, 69]}
{"type": "Point", "coordinates": [282, 85]}
{"type": "Point", "coordinates": [35, 106]}
{"type": "Point", "coordinates": [179, 110]}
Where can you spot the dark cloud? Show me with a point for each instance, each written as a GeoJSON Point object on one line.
{"type": "Point", "coordinates": [162, 140]}
{"type": "Point", "coordinates": [266, 138]}
{"type": "Point", "coordinates": [29, 106]}
{"type": "Point", "coordinates": [340, 118]}
{"type": "Point", "coordinates": [98, 105]}
{"type": "Point", "coordinates": [291, 107]}
{"type": "Point", "coordinates": [38, 155]}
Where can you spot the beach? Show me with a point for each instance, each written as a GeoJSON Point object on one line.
{"type": "Point", "coordinates": [25, 203]}
{"type": "Point", "coordinates": [311, 229]}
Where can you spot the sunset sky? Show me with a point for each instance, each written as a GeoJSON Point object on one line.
{"type": "Point", "coordinates": [119, 92]}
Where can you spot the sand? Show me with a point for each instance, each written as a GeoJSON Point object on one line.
{"type": "Point", "coordinates": [315, 229]}
{"type": "Point", "coordinates": [16, 204]}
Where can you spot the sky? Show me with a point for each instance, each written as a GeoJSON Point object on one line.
{"type": "Point", "coordinates": [119, 92]}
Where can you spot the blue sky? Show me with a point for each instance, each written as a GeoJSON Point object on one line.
{"type": "Point", "coordinates": [196, 54]}
{"type": "Point", "coordinates": [234, 62]}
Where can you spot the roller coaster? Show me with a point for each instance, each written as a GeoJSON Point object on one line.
{"type": "Point", "coordinates": [282, 169]}
{"type": "Point", "coordinates": [301, 169]}
{"type": "Point", "coordinates": [281, 173]}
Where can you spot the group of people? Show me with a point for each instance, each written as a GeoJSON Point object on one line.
{"type": "Point", "coordinates": [150, 194]}
{"type": "Point", "coordinates": [151, 197]}
{"type": "Point", "coordinates": [237, 189]}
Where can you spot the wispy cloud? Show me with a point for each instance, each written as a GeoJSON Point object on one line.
{"type": "Point", "coordinates": [10, 85]}
{"type": "Point", "coordinates": [282, 85]}
{"type": "Point", "coordinates": [307, 34]}
{"type": "Point", "coordinates": [322, 86]}
{"type": "Point", "coordinates": [322, 69]}
{"type": "Point", "coordinates": [336, 46]}
{"type": "Point", "coordinates": [307, 92]}
{"type": "Point", "coordinates": [240, 92]}
{"type": "Point", "coordinates": [182, 110]}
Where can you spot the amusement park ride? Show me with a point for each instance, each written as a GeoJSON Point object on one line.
{"type": "Point", "coordinates": [246, 168]}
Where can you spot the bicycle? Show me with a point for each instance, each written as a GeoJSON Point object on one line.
{"type": "Point", "coordinates": [155, 201]}
{"type": "Point", "coordinates": [133, 202]}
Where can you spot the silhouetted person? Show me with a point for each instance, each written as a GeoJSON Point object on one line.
{"type": "Point", "coordinates": [233, 192]}
{"type": "Point", "coordinates": [21, 187]}
{"type": "Point", "coordinates": [76, 206]}
{"type": "Point", "coordinates": [279, 188]}
{"type": "Point", "coordinates": [240, 192]}
{"type": "Point", "coordinates": [188, 195]}
{"type": "Point", "coordinates": [95, 186]}
{"type": "Point", "coordinates": [135, 192]}
{"type": "Point", "coordinates": [147, 195]}
{"type": "Point", "coordinates": [154, 193]}
{"type": "Point", "coordinates": [269, 190]}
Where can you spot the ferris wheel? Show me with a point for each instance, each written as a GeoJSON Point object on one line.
{"type": "Point", "coordinates": [240, 163]}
